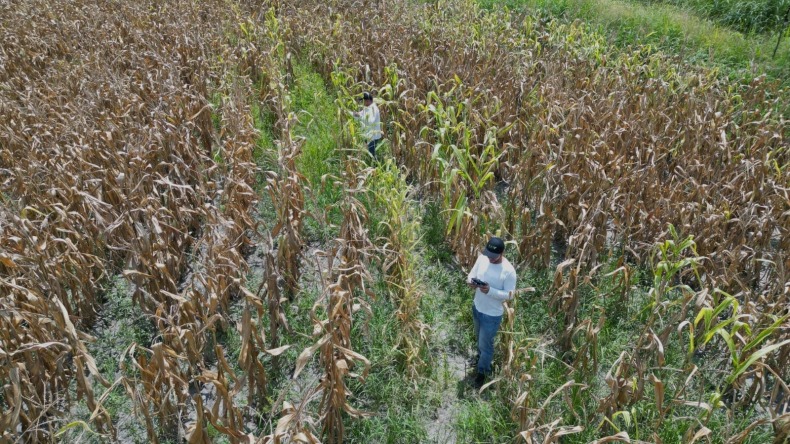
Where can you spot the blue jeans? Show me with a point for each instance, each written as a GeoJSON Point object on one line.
{"type": "Point", "coordinates": [486, 328]}
{"type": "Point", "coordinates": [372, 147]}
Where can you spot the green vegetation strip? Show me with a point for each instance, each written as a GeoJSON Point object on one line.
{"type": "Point", "coordinates": [395, 407]}
{"type": "Point", "coordinates": [675, 30]}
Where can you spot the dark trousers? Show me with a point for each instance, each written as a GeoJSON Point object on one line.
{"type": "Point", "coordinates": [372, 147]}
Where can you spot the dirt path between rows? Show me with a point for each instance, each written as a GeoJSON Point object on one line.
{"type": "Point", "coordinates": [455, 376]}
{"type": "Point", "coordinates": [454, 383]}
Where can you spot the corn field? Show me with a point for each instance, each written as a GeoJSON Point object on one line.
{"type": "Point", "coordinates": [634, 193]}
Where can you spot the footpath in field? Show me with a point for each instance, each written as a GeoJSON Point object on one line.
{"type": "Point", "coordinates": [451, 349]}
{"type": "Point", "coordinates": [454, 402]}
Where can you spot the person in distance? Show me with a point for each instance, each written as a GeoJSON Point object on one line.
{"type": "Point", "coordinates": [370, 118]}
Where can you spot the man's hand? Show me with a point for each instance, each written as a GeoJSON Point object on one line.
{"type": "Point", "coordinates": [485, 289]}
{"type": "Point", "coordinates": [471, 285]}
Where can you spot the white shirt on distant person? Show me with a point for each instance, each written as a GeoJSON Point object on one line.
{"type": "Point", "coordinates": [370, 117]}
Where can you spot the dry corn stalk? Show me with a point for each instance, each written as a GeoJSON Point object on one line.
{"type": "Point", "coordinates": [126, 177]}
{"type": "Point", "coordinates": [286, 185]}
{"type": "Point", "coordinates": [334, 343]}
{"type": "Point", "coordinates": [294, 425]}
{"type": "Point", "coordinates": [345, 285]}
{"type": "Point", "coordinates": [401, 231]}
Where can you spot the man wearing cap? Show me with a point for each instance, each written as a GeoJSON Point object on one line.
{"type": "Point", "coordinates": [494, 279]}
{"type": "Point", "coordinates": [371, 123]}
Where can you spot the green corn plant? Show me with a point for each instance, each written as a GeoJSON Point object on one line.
{"type": "Point", "coordinates": [668, 303]}
{"type": "Point", "coordinates": [463, 176]}
{"type": "Point", "coordinates": [669, 261]}
{"type": "Point", "coordinates": [669, 297]}
{"type": "Point", "coordinates": [749, 354]}
{"type": "Point", "coordinates": [712, 326]}
{"type": "Point", "coordinates": [746, 348]}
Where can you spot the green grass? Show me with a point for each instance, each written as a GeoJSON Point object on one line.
{"type": "Point", "coordinates": [121, 324]}
{"type": "Point", "coordinates": [397, 407]}
{"type": "Point", "coordinates": [747, 16]}
{"type": "Point", "coordinates": [675, 31]}
{"type": "Point", "coordinates": [265, 152]}
{"type": "Point", "coordinates": [434, 232]}
{"type": "Point", "coordinates": [317, 124]}
{"type": "Point", "coordinates": [319, 127]}
{"type": "Point", "coordinates": [483, 422]}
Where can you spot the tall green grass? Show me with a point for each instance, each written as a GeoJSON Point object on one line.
{"type": "Point", "coordinates": [747, 16]}
{"type": "Point", "coordinates": [675, 30]}
{"type": "Point", "coordinates": [318, 126]}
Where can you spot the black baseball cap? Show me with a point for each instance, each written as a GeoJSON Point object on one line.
{"type": "Point", "coordinates": [494, 248]}
{"type": "Point", "coordinates": [366, 96]}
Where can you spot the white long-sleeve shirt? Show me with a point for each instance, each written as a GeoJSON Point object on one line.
{"type": "Point", "coordinates": [370, 118]}
{"type": "Point", "coordinates": [501, 279]}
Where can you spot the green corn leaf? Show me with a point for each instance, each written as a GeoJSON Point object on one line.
{"type": "Point", "coordinates": [81, 424]}
{"type": "Point", "coordinates": [765, 333]}
{"type": "Point", "coordinates": [626, 417]}
{"type": "Point", "coordinates": [740, 369]}
{"type": "Point", "coordinates": [704, 313]}
{"type": "Point", "coordinates": [716, 328]}
{"type": "Point", "coordinates": [488, 176]}
{"type": "Point", "coordinates": [730, 344]}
